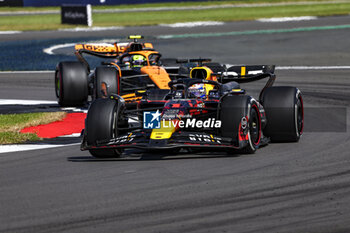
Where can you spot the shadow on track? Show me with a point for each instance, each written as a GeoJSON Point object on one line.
{"type": "Point", "coordinates": [134, 156]}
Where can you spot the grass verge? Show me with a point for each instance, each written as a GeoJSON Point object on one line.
{"type": "Point", "coordinates": [11, 125]}
{"type": "Point", "coordinates": [52, 22]}
{"type": "Point", "coordinates": [166, 4]}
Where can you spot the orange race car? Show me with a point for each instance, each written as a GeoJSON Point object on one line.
{"type": "Point", "coordinates": [132, 67]}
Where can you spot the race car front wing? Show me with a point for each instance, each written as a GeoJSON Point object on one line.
{"type": "Point", "coordinates": [182, 139]}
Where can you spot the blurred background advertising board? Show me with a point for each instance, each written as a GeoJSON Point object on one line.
{"type": "Point", "coordinates": [76, 14]}
{"type": "Point", "coordinates": [11, 2]}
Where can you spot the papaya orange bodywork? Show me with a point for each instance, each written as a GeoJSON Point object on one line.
{"type": "Point", "coordinates": [102, 48]}
{"type": "Point", "coordinates": [131, 97]}
{"type": "Point", "coordinates": [158, 75]}
{"type": "Point", "coordinates": [115, 49]}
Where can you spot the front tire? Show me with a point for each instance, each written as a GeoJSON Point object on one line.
{"type": "Point", "coordinates": [101, 125]}
{"type": "Point", "coordinates": [71, 83]}
{"type": "Point", "coordinates": [237, 113]}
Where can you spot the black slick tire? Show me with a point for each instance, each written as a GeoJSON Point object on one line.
{"type": "Point", "coordinates": [284, 113]}
{"type": "Point", "coordinates": [232, 111]}
{"type": "Point", "coordinates": [101, 125]}
{"type": "Point", "coordinates": [71, 83]}
{"type": "Point", "coordinates": [105, 81]}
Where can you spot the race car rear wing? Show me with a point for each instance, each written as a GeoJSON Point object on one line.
{"type": "Point", "coordinates": [111, 50]}
{"type": "Point", "coordinates": [102, 49]}
{"type": "Point", "coordinates": [234, 70]}
{"type": "Point", "coordinates": [245, 74]}
{"type": "Point", "coordinates": [105, 50]}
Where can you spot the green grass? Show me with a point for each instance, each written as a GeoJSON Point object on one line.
{"type": "Point", "coordinates": [227, 14]}
{"type": "Point", "coordinates": [31, 22]}
{"type": "Point", "coordinates": [167, 4]}
{"type": "Point", "coordinates": [204, 3]}
{"type": "Point", "coordinates": [16, 137]}
{"type": "Point", "coordinates": [11, 124]}
{"type": "Point", "coordinates": [14, 9]}
{"type": "Point", "coordinates": [52, 22]}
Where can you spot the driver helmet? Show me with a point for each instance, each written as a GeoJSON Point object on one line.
{"type": "Point", "coordinates": [153, 62]}
{"type": "Point", "coordinates": [138, 60]}
{"type": "Point", "coordinates": [197, 91]}
{"type": "Point", "coordinates": [126, 61]}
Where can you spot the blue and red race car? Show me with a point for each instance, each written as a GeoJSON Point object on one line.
{"type": "Point", "coordinates": [197, 113]}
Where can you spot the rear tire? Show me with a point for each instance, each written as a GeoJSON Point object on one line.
{"type": "Point", "coordinates": [71, 83]}
{"type": "Point", "coordinates": [101, 124]}
{"type": "Point", "coordinates": [284, 113]}
{"type": "Point", "coordinates": [233, 110]}
{"type": "Point", "coordinates": [106, 81]}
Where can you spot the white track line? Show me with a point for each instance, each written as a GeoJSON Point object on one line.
{"type": "Point", "coordinates": [25, 102]}
{"type": "Point", "coordinates": [74, 135]}
{"type": "Point", "coordinates": [27, 72]}
{"type": "Point", "coordinates": [193, 24]}
{"type": "Point", "coordinates": [286, 19]}
{"type": "Point", "coordinates": [9, 32]}
{"type": "Point", "coordinates": [90, 29]}
{"type": "Point", "coordinates": [312, 67]}
{"type": "Point", "coordinates": [60, 46]}
{"type": "Point", "coordinates": [303, 67]}
{"type": "Point", "coordinates": [39, 102]}
{"type": "Point", "coordinates": [74, 109]}
{"type": "Point", "coordinates": [50, 50]}
{"type": "Point", "coordinates": [26, 147]}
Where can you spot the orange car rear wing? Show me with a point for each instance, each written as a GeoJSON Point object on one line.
{"type": "Point", "coordinates": [102, 49]}
{"type": "Point", "coordinates": [109, 50]}
{"type": "Point", "coordinates": [105, 50]}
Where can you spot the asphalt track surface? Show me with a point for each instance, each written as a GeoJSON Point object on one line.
{"type": "Point", "coordinates": [293, 187]}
